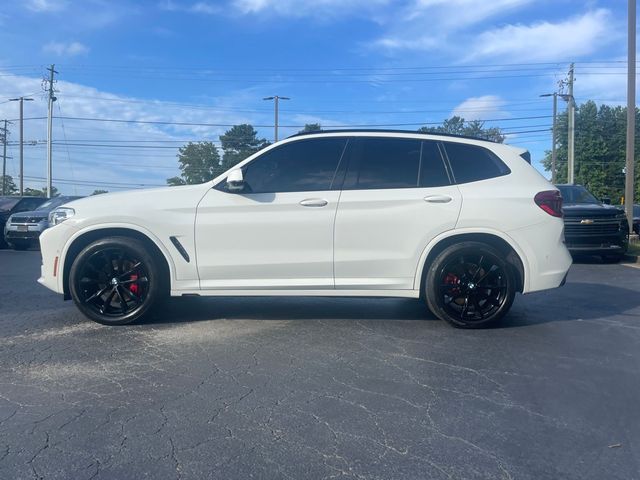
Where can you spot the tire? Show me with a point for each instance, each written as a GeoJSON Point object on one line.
{"type": "Point", "coordinates": [116, 281]}
{"type": "Point", "coordinates": [19, 245]}
{"type": "Point", "coordinates": [454, 285]}
{"type": "Point", "coordinates": [612, 258]}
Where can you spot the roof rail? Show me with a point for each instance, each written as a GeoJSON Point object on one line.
{"type": "Point", "coordinates": [378, 130]}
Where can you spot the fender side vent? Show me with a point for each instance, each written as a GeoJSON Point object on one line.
{"type": "Point", "coordinates": [180, 248]}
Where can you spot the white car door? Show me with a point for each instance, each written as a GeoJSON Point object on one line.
{"type": "Point", "coordinates": [278, 232]}
{"type": "Point", "coordinates": [397, 196]}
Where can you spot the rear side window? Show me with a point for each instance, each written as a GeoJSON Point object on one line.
{"type": "Point", "coordinates": [382, 163]}
{"type": "Point", "coordinates": [471, 163]}
{"type": "Point", "coordinates": [300, 166]}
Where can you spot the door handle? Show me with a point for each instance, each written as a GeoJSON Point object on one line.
{"type": "Point", "coordinates": [437, 199]}
{"type": "Point", "coordinates": [314, 202]}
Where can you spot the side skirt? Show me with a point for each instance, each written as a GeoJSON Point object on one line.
{"type": "Point", "coordinates": [298, 293]}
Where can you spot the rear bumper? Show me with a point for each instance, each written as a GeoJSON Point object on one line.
{"type": "Point", "coordinates": [545, 253]}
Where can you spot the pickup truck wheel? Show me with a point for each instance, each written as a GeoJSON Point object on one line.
{"type": "Point", "coordinates": [115, 281]}
{"type": "Point", "coordinates": [19, 245]}
{"type": "Point", "coordinates": [470, 285]}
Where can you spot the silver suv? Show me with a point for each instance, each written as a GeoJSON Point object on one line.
{"type": "Point", "coordinates": [23, 229]}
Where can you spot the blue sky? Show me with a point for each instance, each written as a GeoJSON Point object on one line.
{"type": "Point", "coordinates": [342, 62]}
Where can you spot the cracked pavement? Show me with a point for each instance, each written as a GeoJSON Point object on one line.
{"type": "Point", "coordinates": [299, 388]}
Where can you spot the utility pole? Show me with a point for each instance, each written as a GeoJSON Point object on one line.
{"type": "Point", "coordinates": [52, 99]}
{"type": "Point", "coordinates": [554, 153]}
{"type": "Point", "coordinates": [572, 130]}
{"type": "Point", "coordinates": [631, 113]}
{"type": "Point", "coordinates": [21, 100]}
{"type": "Point", "coordinates": [5, 135]}
{"type": "Point", "coordinates": [276, 98]}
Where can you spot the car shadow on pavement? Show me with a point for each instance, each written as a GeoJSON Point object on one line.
{"type": "Point", "coordinates": [574, 301]}
{"type": "Point", "coordinates": [195, 309]}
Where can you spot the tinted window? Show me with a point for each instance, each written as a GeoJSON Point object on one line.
{"type": "Point", "coordinates": [471, 163]}
{"type": "Point", "coordinates": [28, 204]}
{"type": "Point", "coordinates": [7, 204]}
{"type": "Point", "coordinates": [432, 169]}
{"type": "Point", "coordinates": [383, 163]}
{"type": "Point", "coordinates": [576, 194]}
{"type": "Point", "coordinates": [300, 166]}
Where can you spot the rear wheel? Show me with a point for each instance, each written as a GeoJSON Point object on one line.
{"type": "Point", "coordinates": [470, 285]}
{"type": "Point", "coordinates": [115, 281]}
{"type": "Point", "coordinates": [612, 258]}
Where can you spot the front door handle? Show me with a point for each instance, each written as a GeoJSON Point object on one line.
{"type": "Point", "coordinates": [437, 199]}
{"type": "Point", "coordinates": [314, 202]}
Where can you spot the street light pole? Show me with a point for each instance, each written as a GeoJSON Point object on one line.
{"type": "Point", "coordinates": [21, 100]}
{"type": "Point", "coordinates": [572, 131]}
{"type": "Point", "coordinates": [554, 153]}
{"type": "Point", "coordinates": [631, 114]}
{"type": "Point", "coordinates": [276, 98]}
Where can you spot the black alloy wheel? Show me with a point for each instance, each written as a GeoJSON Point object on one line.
{"type": "Point", "coordinates": [470, 285]}
{"type": "Point", "coordinates": [115, 281]}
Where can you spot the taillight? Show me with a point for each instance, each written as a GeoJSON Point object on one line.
{"type": "Point", "coordinates": [550, 201]}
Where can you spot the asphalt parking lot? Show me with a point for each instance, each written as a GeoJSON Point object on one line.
{"type": "Point", "coordinates": [322, 388]}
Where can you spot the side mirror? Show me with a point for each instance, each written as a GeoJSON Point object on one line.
{"type": "Point", "coordinates": [235, 181]}
{"type": "Point", "coordinates": [606, 200]}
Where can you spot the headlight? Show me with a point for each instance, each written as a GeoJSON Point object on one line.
{"type": "Point", "coordinates": [60, 214]}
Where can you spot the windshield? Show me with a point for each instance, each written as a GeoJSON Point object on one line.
{"type": "Point", "coordinates": [576, 194]}
{"type": "Point", "coordinates": [53, 203]}
{"type": "Point", "coordinates": [7, 204]}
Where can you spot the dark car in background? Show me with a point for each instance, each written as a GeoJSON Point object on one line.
{"type": "Point", "coordinates": [23, 228]}
{"type": "Point", "coordinates": [592, 227]}
{"type": "Point", "coordinates": [636, 219]}
{"type": "Point", "coordinates": [15, 204]}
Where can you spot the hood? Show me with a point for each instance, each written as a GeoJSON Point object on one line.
{"type": "Point", "coordinates": [32, 214]}
{"type": "Point", "coordinates": [590, 209]}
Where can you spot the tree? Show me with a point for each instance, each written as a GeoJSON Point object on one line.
{"type": "Point", "coordinates": [8, 185]}
{"type": "Point", "coordinates": [35, 192]}
{"type": "Point", "coordinates": [311, 127]}
{"type": "Point", "coordinates": [458, 126]}
{"type": "Point", "coordinates": [199, 163]}
{"type": "Point", "coordinates": [99, 192]}
{"type": "Point", "coordinates": [238, 143]}
{"type": "Point", "coordinates": [600, 150]}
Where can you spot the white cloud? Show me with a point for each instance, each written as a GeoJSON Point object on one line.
{"type": "Point", "coordinates": [476, 108]}
{"type": "Point", "coordinates": [427, 24]}
{"type": "Point", "coordinates": [298, 8]}
{"type": "Point", "coordinates": [46, 5]}
{"type": "Point", "coordinates": [545, 41]}
{"type": "Point", "coordinates": [65, 49]}
{"type": "Point", "coordinates": [208, 8]}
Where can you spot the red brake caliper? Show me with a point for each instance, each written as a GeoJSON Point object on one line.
{"type": "Point", "coordinates": [452, 279]}
{"type": "Point", "coordinates": [133, 287]}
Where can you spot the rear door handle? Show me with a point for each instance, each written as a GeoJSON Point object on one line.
{"type": "Point", "coordinates": [437, 199]}
{"type": "Point", "coordinates": [314, 202]}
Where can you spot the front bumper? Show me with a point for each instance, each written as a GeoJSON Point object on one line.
{"type": "Point", "coordinates": [599, 245]}
{"type": "Point", "coordinates": [23, 232]}
{"type": "Point", "coordinates": [52, 243]}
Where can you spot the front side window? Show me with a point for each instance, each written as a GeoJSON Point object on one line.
{"type": "Point", "coordinates": [300, 166]}
{"type": "Point", "coordinates": [471, 163]}
{"type": "Point", "coordinates": [376, 163]}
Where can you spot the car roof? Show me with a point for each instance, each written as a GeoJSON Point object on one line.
{"type": "Point", "coordinates": [376, 130]}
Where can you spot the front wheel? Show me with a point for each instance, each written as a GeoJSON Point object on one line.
{"type": "Point", "coordinates": [470, 285]}
{"type": "Point", "coordinates": [115, 281]}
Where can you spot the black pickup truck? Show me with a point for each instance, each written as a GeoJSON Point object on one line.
{"type": "Point", "coordinates": [592, 227]}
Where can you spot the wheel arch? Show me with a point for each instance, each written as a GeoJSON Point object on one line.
{"type": "Point", "coordinates": [84, 237]}
{"type": "Point", "coordinates": [504, 244]}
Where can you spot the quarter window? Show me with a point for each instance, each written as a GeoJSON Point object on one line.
{"type": "Point", "coordinates": [300, 166]}
{"type": "Point", "coordinates": [471, 163]}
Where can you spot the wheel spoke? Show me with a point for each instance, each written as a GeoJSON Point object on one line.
{"type": "Point", "coordinates": [465, 308]}
{"type": "Point", "coordinates": [123, 302]}
{"type": "Point", "coordinates": [135, 280]}
{"type": "Point", "coordinates": [489, 272]}
{"type": "Point", "coordinates": [97, 294]}
{"type": "Point", "coordinates": [107, 302]}
{"type": "Point", "coordinates": [131, 270]}
{"type": "Point", "coordinates": [477, 307]}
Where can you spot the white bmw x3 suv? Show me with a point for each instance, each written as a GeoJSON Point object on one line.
{"type": "Point", "coordinates": [462, 223]}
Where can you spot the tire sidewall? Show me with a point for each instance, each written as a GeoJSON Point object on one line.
{"type": "Point", "coordinates": [432, 291]}
{"type": "Point", "coordinates": [150, 265]}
